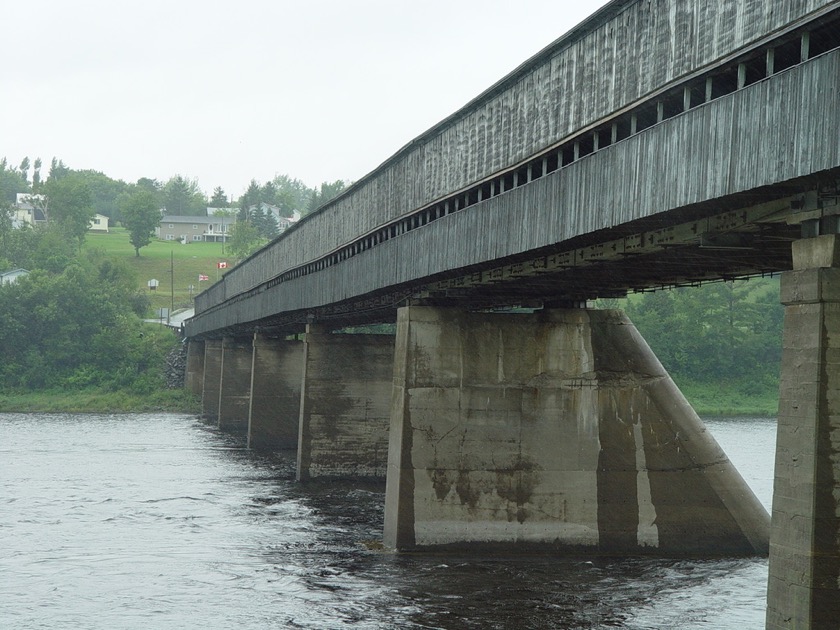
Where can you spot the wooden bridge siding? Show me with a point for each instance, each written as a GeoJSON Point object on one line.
{"type": "Point", "coordinates": [642, 48]}
{"type": "Point", "coordinates": [770, 132]}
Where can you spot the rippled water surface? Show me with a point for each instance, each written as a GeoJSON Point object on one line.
{"type": "Point", "coordinates": [157, 521]}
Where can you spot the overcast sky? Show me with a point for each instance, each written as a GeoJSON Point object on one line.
{"type": "Point", "coordinates": [225, 91]}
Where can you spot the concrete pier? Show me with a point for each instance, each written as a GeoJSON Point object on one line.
{"type": "Point", "coordinates": [345, 404]}
{"type": "Point", "coordinates": [553, 430]}
{"type": "Point", "coordinates": [804, 582]}
{"type": "Point", "coordinates": [276, 373]}
{"type": "Point", "coordinates": [211, 379]}
{"type": "Point", "coordinates": [235, 383]}
{"type": "Point", "coordinates": [194, 376]}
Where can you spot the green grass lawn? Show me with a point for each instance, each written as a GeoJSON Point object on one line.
{"type": "Point", "coordinates": [187, 262]}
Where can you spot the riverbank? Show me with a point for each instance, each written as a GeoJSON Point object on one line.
{"type": "Point", "coordinates": [98, 401]}
{"type": "Point", "coordinates": [731, 399]}
{"type": "Point", "coordinates": [708, 400]}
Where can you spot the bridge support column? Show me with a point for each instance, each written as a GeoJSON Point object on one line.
{"type": "Point", "coordinates": [804, 583]}
{"type": "Point", "coordinates": [345, 404]}
{"type": "Point", "coordinates": [276, 372]}
{"type": "Point", "coordinates": [194, 377]}
{"type": "Point", "coordinates": [553, 430]}
{"type": "Point", "coordinates": [212, 379]}
{"type": "Point", "coordinates": [235, 383]}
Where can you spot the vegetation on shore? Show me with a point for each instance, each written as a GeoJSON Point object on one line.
{"type": "Point", "coordinates": [721, 342]}
{"type": "Point", "coordinates": [707, 400]}
{"type": "Point", "coordinates": [727, 399]}
{"type": "Point", "coordinates": [72, 335]}
{"type": "Point", "coordinates": [98, 400]}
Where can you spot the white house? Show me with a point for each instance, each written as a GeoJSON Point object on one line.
{"type": "Point", "coordinates": [10, 277]}
{"type": "Point", "coordinates": [28, 210]}
{"type": "Point", "coordinates": [99, 223]}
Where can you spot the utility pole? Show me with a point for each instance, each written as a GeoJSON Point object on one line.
{"type": "Point", "coordinates": [172, 281]}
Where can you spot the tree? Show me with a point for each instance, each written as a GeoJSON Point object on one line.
{"type": "Point", "coordinates": [182, 197]}
{"type": "Point", "coordinates": [249, 199]}
{"type": "Point", "coordinates": [57, 169]}
{"type": "Point", "coordinates": [70, 205]}
{"type": "Point", "coordinates": [219, 198]}
{"type": "Point", "coordinates": [244, 239]}
{"type": "Point", "coordinates": [24, 169]}
{"type": "Point", "coordinates": [292, 195]}
{"type": "Point", "coordinates": [724, 331]}
{"type": "Point", "coordinates": [140, 215]}
{"type": "Point", "coordinates": [36, 176]}
{"type": "Point", "coordinates": [5, 231]}
{"type": "Point", "coordinates": [268, 193]}
{"type": "Point", "coordinates": [77, 326]}
{"type": "Point", "coordinates": [105, 192]}
{"type": "Point", "coordinates": [326, 192]}
{"type": "Point", "coordinates": [11, 183]}
{"type": "Point", "coordinates": [264, 222]}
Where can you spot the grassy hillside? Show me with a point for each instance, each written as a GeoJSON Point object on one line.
{"type": "Point", "coordinates": [187, 262]}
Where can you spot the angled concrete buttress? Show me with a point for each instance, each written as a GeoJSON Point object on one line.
{"type": "Point", "coordinates": [345, 404]}
{"type": "Point", "coordinates": [211, 380]}
{"type": "Point", "coordinates": [276, 372]}
{"type": "Point", "coordinates": [194, 377]}
{"type": "Point", "coordinates": [553, 430]}
{"type": "Point", "coordinates": [235, 384]}
{"type": "Point", "coordinates": [804, 584]}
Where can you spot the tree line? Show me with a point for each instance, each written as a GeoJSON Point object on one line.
{"type": "Point", "coordinates": [72, 197]}
{"type": "Point", "coordinates": [75, 321]}
{"type": "Point", "coordinates": [720, 332]}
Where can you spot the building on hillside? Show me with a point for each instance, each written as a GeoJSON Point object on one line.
{"type": "Point", "coordinates": [10, 277]}
{"type": "Point", "coordinates": [284, 223]}
{"type": "Point", "coordinates": [28, 210]}
{"type": "Point", "coordinates": [99, 223]}
{"type": "Point", "coordinates": [190, 229]}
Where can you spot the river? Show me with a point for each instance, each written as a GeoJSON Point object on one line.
{"type": "Point", "coordinates": [159, 522]}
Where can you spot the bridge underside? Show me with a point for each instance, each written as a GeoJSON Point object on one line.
{"type": "Point", "coordinates": [742, 235]}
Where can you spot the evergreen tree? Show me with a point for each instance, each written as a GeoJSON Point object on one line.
{"type": "Point", "coordinates": [326, 192]}
{"type": "Point", "coordinates": [36, 176]}
{"type": "Point", "coordinates": [249, 200]}
{"type": "Point", "coordinates": [183, 197]}
{"type": "Point", "coordinates": [58, 170]}
{"type": "Point", "coordinates": [219, 198]}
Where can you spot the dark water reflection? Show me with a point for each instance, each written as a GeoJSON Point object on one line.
{"type": "Point", "coordinates": [146, 521]}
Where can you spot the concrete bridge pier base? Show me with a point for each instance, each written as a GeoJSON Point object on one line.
{"type": "Point", "coordinates": [235, 384]}
{"type": "Point", "coordinates": [194, 376]}
{"type": "Point", "coordinates": [804, 582]}
{"type": "Point", "coordinates": [211, 380]}
{"type": "Point", "coordinates": [276, 371]}
{"type": "Point", "coordinates": [345, 404]}
{"type": "Point", "coordinates": [557, 430]}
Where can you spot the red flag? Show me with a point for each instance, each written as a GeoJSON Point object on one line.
{"type": "Point", "coordinates": [202, 277]}
{"type": "Point", "coordinates": [223, 265]}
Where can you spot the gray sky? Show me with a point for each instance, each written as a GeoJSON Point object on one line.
{"type": "Point", "coordinates": [226, 91]}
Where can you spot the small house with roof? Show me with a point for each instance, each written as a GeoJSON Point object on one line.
{"type": "Point", "coordinates": [10, 277]}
